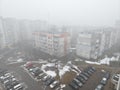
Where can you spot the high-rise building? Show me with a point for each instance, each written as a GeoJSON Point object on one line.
{"type": "Point", "coordinates": [10, 28]}
{"type": "Point", "coordinates": [2, 37]}
{"type": "Point", "coordinates": [88, 45]}
{"type": "Point", "coordinates": [53, 43]}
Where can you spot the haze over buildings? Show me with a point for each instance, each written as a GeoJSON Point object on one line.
{"type": "Point", "coordinates": [64, 12]}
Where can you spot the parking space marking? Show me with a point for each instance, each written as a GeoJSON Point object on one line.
{"type": "Point", "coordinates": [29, 73]}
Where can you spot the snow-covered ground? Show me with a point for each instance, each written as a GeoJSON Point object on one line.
{"type": "Point", "coordinates": [106, 60]}
{"type": "Point", "coordinates": [12, 61]}
{"type": "Point", "coordinates": [60, 67]}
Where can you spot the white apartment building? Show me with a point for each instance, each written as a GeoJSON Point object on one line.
{"type": "Point", "coordinates": [2, 37]}
{"type": "Point", "coordinates": [9, 32]}
{"type": "Point", "coordinates": [88, 45]}
{"type": "Point", "coordinates": [91, 44]}
{"type": "Point", "coordinates": [56, 44]}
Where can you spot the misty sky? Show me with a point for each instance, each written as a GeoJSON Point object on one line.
{"type": "Point", "coordinates": [64, 12]}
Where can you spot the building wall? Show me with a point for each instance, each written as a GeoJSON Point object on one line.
{"type": "Point", "coordinates": [10, 27]}
{"type": "Point", "coordinates": [2, 37]}
{"type": "Point", "coordinates": [88, 45]}
{"type": "Point", "coordinates": [57, 44]}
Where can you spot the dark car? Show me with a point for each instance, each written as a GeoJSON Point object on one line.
{"type": "Point", "coordinates": [40, 76]}
{"type": "Point", "coordinates": [10, 85]}
{"type": "Point", "coordinates": [83, 76]}
{"type": "Point", "coordinates": [88, 71]}
{"type": "Point", "coordinates": [3, 71]}
{"type": "Point", "coordinates": [77, 82]}
{"type": "Point", "coordinates": [74, 86]}
{"type": "Point", "coordinates": [36, 71]}
{"type": "Point", "coordinates": [80, 79]}
{"type": "Point", "coordinates": [107, 75]}
{"type": "Point", "coordinates": [86, 74]}
{"type": "Point", "coordinates": [49, 81]}
{"type": "Point", "coordinates": [93, 68]}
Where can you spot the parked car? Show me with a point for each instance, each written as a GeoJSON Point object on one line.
{"type": "Point", "coordinates": [36, 72]}
{"type": "Point", "coordinates": [91, 70]}
{"type": "Point", "coordinates": [40, 76]}
{"type": "Point", "coordinates": [88, 71]}
{"type": "Point", "coordinates": [80, 79]}
{"type": "Point", "coordinates": [107, 75]}
{"type": "Point", "coordinates": [28, 65]}
{"type": "Point", "coordinates": [4, 78]}
{"type": "Point", "coordinates": [99, 87]}
{"type": "Point", "coordinates": [83, 76]}
{"type": "Point", "coordinates": [49, 81]}
{"type": "Point", "coordinates": [45, 78]}
{"type": "Point", "coordinates": [78, 82]}
{"type": "Point", "coordinates": [86, 74]}
{"type": "Point", "coordinates": [18, 87]}
{"type": "Point", "coordinates": [9, 85]}
{"type": "Point", "coordinates": [103, 81]}
{"type": "Point", "coordinates": [54, 84]}
{"type": "Point", "coordinates": [74, 86]}
{"type": "Point", "coordinates": [2, 72]}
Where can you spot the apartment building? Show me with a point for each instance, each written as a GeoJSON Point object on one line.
{"type": "Point", "coordinates": [53, 43]}
{"type": "Point", "coordinates": [91, 44]}
{"type": "Point", "coordinates": [110, 37]}
{"type": "Point", "coordinates": [2, 37]}
{"type": "Point", "coordinates": [10, 29]}
{"type": "Point", "coordinates": [88, 45]}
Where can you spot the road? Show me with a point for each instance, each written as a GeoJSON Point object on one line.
{"type": "Point", "coordinates": [31, 84]}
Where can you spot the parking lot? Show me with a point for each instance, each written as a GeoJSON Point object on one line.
{"type": "Point", "coordinates": [34, 84]}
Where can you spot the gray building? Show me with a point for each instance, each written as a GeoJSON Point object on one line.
{"type": "Point", "coordinates": [88, 45]}
{"type": "Point", "coordinates": [53, 43]}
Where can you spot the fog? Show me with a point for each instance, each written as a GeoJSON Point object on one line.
{"type": "Point", "coordinates": [64, 12]}
{"type": "Point", "coordinates": [59, 44]}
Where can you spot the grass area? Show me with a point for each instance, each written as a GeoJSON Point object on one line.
{"type": "Point", "coordinates": [68, 77]}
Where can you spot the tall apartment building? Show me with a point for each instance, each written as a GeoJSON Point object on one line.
{"type": "Point", "coordinates": [9, 32]}
{"type": "Point", "coordinates": [91, 44]}
{"type": "Point", "coordinates": [10, 28]}
{"type": "Point", "coordinates": [110, 37]}
{"type": "Point", "coordinates": [2, 37]}
{"type": "Point", "coordinates": [88, 45]}
{"type": "Point", "coordinates": [53, 43]}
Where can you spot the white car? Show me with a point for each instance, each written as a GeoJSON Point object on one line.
{"type": "Point", "coordinates": [54, 84]}
{"type": "Point", "coordinates": [18, 87]}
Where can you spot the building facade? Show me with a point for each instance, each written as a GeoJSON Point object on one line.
{"type": "Point", "coordinates": [10, 31]}
{"type": "Point", "coordinates": [88, 45]}
{"type": "Point", "coordinates": [56, 44]}
{"type": "Point", "coordinates": [2, 37]}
